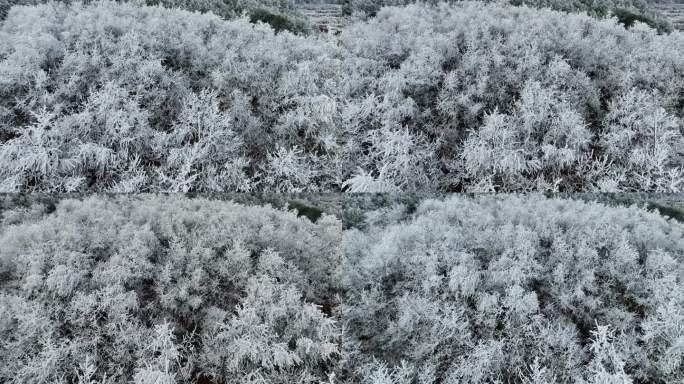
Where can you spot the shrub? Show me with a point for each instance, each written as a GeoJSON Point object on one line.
{"type": "Point", "coordinates": [625, 10]}
{"type": "Point", "coordinates": [629, 17]}
{"type": "Point", "coordinates": [226, 9]}
{"type": "Point", "coordinates": [279, 21]}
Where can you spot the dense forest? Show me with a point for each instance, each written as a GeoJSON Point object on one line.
{"type": "Point", "coordinates": [469, 96]}
{"type": "Point", "coordinates": [483, 289]}
{"type": "Point", "coordinates": [319, 192]}
{"type": "Point", "coordinates": [166, 290]}
{"type": "Point", "coordinates": [509, 289]}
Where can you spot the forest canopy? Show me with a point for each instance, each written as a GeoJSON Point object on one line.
{"type": "Point", "coordinates": [161, 289]}
{"type": "Point", "coordinates": [506, 289]}
{"type": "Point", "coordinates": [172, 289]}
{"type": "Point", "coordinates": [463, 97]}
{"type": "Point", "coordinates": [622, 9]}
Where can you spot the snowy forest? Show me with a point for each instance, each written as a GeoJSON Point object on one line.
{"type": "Point", "coordinates": [210, 96]}
{"type": "Point", "coordinates": [483, 289]}
{"type": "Point", "coordinates": [341, 192]}
{"type": "Point", "coordinates": [161, 290]}
{"type": "Point", "coordinates": [513, 289]}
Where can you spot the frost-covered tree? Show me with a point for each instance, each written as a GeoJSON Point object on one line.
{"type": "Point", "coordinates": [627, 11]}
{"type": "Point", "coordinates": [153, 101]}
{"type": "Point", "coordinates": [470, 96]}
{"type": "Point", "coordinates": [152, 289]}
{"type": "Point", "coordinates": [513, 289]}
{"type": "Point", "coordinates": [509, 118]}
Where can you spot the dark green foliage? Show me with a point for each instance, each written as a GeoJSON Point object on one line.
{"type": "Point", "coordinates": [628, 17]}
{"type": "Point", "coordinates": [627, 10]}
{"type": "Point", "coordinates": [13, 201]}
{"type": "Point", "coordinates": [279, 21]}
{"type": "Point", "coordinates": [675, 212]}
{"type": "Point", "coordinates": [227, 9]}
{"type": "Point", "coordinates": [668, 205]}
{"type": "Point", "coordinates": [347, 7]}
{"type": "Point", "coordinates": [6, 5]}
{"type": "Point", "coordinates": [310, 212]}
